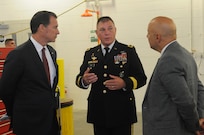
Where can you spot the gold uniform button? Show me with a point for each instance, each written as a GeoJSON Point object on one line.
{"type": "Point", "coordinates": [104, 91]}
{"type": "Point", "coordinates": [130, 99]}
{"type": "Point", "coordinates": [105, 66]}
{"type": "Point", "coordinates": [121, 66]}
{"type": "Point", "coordinates": [105, 75]}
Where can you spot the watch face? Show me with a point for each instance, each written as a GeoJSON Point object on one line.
{"type": "Point", "coordinates": [1, 38]}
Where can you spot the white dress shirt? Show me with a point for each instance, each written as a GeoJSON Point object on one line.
{"type": "Point", "coordinates": [51, 65]}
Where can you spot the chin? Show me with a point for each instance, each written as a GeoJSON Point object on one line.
{"type": "Point", "coordinates": [52, 40]}
{"type": "Point", "coordinates": [107, 42]}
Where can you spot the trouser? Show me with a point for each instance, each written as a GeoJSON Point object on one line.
{"type": "Point", "coordinates": [121, 130]}
{"type": "Point", "coordinates": [55, 130]}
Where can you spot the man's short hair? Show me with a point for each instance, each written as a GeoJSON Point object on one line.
{"type": "Point", "coordinates": [41, 17]}
{"type": "Point", "coordinates": [105, 19]}
{"type": "Point", "coordinates": [8, 40]}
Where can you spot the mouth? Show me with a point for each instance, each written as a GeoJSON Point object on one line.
{"type": "Point", "coordinates": [108, 38]}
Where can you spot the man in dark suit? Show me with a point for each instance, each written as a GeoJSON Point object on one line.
{"type": "Point", "coordinates": [26, 88]}
{"type": "Point", "coordinates": [174, 100]}
{"type": "Point", "coordinates": [113, 74]}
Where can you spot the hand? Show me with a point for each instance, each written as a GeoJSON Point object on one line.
{"type": "Point", "coordinates": [115, 83]}
{"type": "Point", "coordinates": [201, 121]}
{"type": "Point", "coordinates": [201, 133]}
{"type": "Point", "coordinates": [88, 77]}
{"type": "Point", "coordinates": [198, 133]}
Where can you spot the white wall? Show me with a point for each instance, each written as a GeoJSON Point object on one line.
{"type": "Point", "coordinates": [131, 18]}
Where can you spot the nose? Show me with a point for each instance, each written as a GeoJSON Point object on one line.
{"type": "Point", "coordinates": [58, 31]}
{"type": "Point", "coordinates": [106, 32]}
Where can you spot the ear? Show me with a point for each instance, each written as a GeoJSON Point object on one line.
{"type": "Point", "coordinates": [41, 27]}
{"type": "Point", "coordinates": [96, 31]}
{"type": "Point", "coordinates": [158, 37]}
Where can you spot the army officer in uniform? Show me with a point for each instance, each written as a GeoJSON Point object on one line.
{"type": "Point", "coordinates": [114, 70]}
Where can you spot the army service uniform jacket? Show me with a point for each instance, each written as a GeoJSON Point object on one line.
{"type": "Point", "coordinates": [112, 108]}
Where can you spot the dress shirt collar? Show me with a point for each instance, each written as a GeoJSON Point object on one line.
{"type": "Point", "coordinates": [37, 46]}
{"type": "Point", "coordinates": [110, 47]}
{"type": "Point", "coordinates": [162, 52]}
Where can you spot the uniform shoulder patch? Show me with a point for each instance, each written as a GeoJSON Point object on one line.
{"type": "Point", "coordinates": [130, 46]}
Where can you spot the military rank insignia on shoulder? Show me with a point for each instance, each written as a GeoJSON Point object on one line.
{"type": "Point", "coordinates": [130, 46]}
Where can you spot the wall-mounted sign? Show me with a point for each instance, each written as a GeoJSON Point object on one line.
{"type": "Point", "coordinates": [1, 38]}
{"type": "Point", "coordinates": [93, 36]}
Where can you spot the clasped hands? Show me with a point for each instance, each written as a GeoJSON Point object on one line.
{"type": "Point", "coordinates": [114, 83]}
{"type": "Point", "coordinates": [201, 122]}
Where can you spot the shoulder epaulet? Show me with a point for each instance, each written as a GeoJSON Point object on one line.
{"type": "Point", "coordinates": [130, 46]}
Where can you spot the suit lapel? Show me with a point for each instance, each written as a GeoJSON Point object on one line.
{"type": "Point", "coordinates": [151, 78]}
{"type": "Point", "coordinates": [98, 54]}
{"type": "Point", "coordinates": [37, 60]}
{"type": "Point", "coordinates": [53, 56]}
{"type": "Point", "coordinates": [36, 57]}
{"type": "Point", "coordinates": [168, 50]}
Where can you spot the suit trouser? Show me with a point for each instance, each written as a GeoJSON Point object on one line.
{"type": "Point", "coordinates": [55, 130]}
{"type": "Point", "coordinates": [121, 130]}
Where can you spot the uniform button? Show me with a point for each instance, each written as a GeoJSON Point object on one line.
{"type": "Point", "coordinates": [130, 98]}
{"type": "Point", "coordinates": [105, 75]}
{"type": "Point", "coordinates": [105, 66]}
{"type": "Point", "coordinates": [121, 66]}
{"type": "Point", "coordinates": [104, 91]}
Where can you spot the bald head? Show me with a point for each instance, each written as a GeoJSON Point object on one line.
{"type": "Point", "coordinates": [161, 31]}
{"type": "Point", "coordinates": [164, 25]}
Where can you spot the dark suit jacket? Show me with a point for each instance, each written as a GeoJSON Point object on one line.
{"type": "Point", "coordinates": [174, 98]}
{"type": "Point", "coordinates": [26, 92]}
{"type": "Point", "coordinates": [112, 108]}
